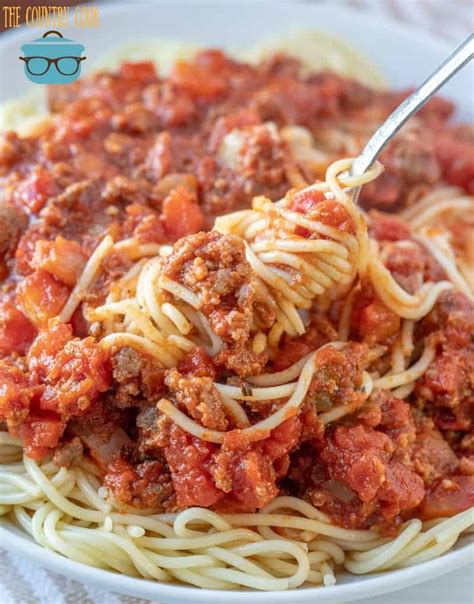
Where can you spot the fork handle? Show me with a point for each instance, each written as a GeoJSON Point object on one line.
{"type": "Point", "coordinates": [460, 57]}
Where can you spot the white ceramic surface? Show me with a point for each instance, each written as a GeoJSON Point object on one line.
{"type": "Point", "coordinates": [406, 57]}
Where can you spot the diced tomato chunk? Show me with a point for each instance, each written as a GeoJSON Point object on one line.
{"type": "Point", "coordinates": [377, 321]}
{"type": "Point", "coordinates": [291, 352]}
{"type": "Point", "coordinates": [361, 458]}
{"type": "Point", "coordinates": [181, 214]}
{"type": "Point", "coordinates": [25, 250]}
{"type": "Point", "coordinates": [187, 457]}
{"type": "Point", "coordinates": [135, 213]}
{"type": "Point", "coordinates": [358, 456]}
{"type": "Point", "coordinates": [16, 331]}
{"type": "Point", "coordinates": [40, 435]}
{"type": "Point", "coordinates": [35, 190]}
{"type": "Point", "coordinates": [433, 456]}
{"type": "Point", "coordinates": [198, 79]}
{"type": "Point", "coordinates": [315, 206]}
{"type": "Point", "coordinates": [62, 258]}
{"type": "Point", "coordinates": [448, 497]}
{"type": "Point", "coordinates": [144, 485]}
{"type": "Point", "coordinates": [42, 297]}
{"type": "Point", "coordinates": [144, 224]}
{"type": "Point", "coordinates": [150, 230]}
{"type": "Point", "coordinates": [306, 200]}
{"type": "Point", "coordinates": [197, 363]}
{"type": "Point", "coordinates": [78, 373]}
{"type": "Point", "coordinates": [445, 374]}
{"type": "Point", "coordinates": [65, 376]}
{"type": "Point", "coordinates": [372, 320]}
{"type": "Point", "coordinates": [403, 490]}
{"type": "Point", "coordinates": [46, 432]}
{"type": "Point", "coordinates": [74, 371]}
{"type": "Point", "coordinates": [283, 438]}
{"type": "Point", "coordinates": [140, 70]}
{"type": "Point", "coordinates": [254, 479]}
{"type": "Point", "coordinates": [227, 123]}
{"type": "Point", "coordinates": [74, 128]}
{"type": "Point", "coordinates": [212, 59]}
{"type": "Point", "coordinates": [45, 348]}
{"type": "Point", "coordinates": [333, 214]}
{"type": "Point", "coordinates": [14, 397]}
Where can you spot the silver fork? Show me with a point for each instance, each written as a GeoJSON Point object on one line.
{"type": "Point", "coordinates": [460, 57]}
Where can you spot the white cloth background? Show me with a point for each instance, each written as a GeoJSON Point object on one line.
{"type": "Point", "coordinates": [24, 583]}
{"type": "Point", "coordinates": [451, 20]}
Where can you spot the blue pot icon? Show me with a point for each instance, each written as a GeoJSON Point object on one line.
{"type": "Point", "coordinates": [52, 59]}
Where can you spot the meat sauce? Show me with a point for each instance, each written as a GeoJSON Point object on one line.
{"type": "Point", "coordinates": [131, 154]}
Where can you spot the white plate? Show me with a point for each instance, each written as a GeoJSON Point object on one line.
{"type": "Point", "coordinates": [348, 588]}
{"type": "Point", "coordinates": [405, 57]}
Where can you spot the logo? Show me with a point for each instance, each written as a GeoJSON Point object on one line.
{"type": "Point", "coordinates": [52, 59]}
